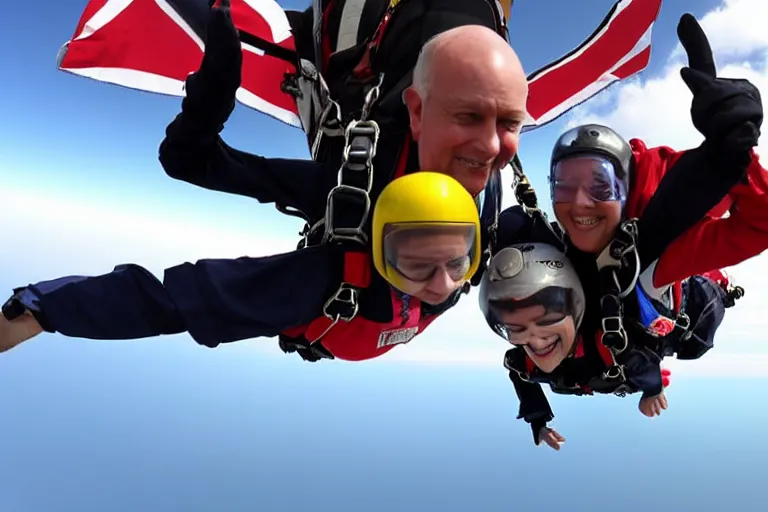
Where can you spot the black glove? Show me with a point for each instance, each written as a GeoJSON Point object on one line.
{"type": "Point", "coordinates": [212, 88]}
{"type": "Point", "coordinates": [727, 112]}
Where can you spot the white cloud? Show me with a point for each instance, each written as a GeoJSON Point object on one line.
{"type": "Point", "coordinates": [48, 236]}
{"type": "Point", "coordinates": [736, 29]}
{"type": "Point", "coordinates": [656, 109]}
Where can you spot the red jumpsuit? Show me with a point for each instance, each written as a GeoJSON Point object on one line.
{"type": "Point", "coordinates": [714, 242]}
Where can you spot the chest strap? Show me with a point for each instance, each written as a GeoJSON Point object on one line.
{"type": "Point", "coordinates": [343, 305]}
{"type": "Point", "coordinates": [610, 264]}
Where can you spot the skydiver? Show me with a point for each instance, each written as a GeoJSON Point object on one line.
{"type": "Point", "coordinates": [532, 296]}
{"type": "Point", "coordinates": [426, 246]}
{"type": "Point", "coordinates": [598, 179]}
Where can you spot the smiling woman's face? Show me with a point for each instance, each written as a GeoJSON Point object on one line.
{"type": "Point", "coordinates": [547, 337]}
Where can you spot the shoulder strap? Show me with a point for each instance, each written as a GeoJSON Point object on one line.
{"type": "Point", "coordinates": [349, 24]}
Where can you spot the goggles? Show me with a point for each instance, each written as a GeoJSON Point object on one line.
{"type": "Point", "coordinates": [594, 174]}
{"type": "Point", "coordinates": [417, 253]}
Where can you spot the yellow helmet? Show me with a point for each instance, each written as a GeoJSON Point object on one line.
{"type": "Point", "coordinates": [418, 206]}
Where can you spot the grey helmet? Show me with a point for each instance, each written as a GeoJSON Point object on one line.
{"type": "Point", "coordinates": [520, 271]}
{"type": "Point", "coordinates": [591, 139]}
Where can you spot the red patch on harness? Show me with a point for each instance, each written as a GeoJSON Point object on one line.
{"type": "Point", "coordinates": [662, 326]}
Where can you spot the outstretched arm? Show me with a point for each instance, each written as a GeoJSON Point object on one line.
{"type": "Point", "coordinates": [216, 301]}
{"type": "Point", "coordinates": [534, 406]}
{"type": "Point", "coordinates": [718, 242]}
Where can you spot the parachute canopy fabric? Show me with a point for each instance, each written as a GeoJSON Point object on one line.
{"type": "Point", "coordinates": [618, 49]}
{"type": "Point", "coordinates": [152, 45]}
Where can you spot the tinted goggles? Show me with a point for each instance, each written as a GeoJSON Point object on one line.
{"type": "Point", "coordinates": [595, 175]}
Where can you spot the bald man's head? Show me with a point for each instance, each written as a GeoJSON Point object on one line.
{"type": "Point", "coordinates": [467, 104]}
{"type": "Point", "coordinates": [466, 40]}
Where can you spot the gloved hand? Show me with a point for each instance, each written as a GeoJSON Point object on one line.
{"type": "Point", "coordinates": [215, 83]}
{"type": "Point", "coordinates": [727, 112]}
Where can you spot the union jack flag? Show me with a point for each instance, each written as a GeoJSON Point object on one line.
{"type": "Point", "coordinates": [152, 45]}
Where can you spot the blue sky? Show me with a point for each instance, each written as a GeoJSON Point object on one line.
{"type": "Point", "coordinates": [163, 424]}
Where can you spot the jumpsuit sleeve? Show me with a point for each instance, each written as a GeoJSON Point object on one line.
{"type": "Point", "coordinates": [127, 303]}
{"type": "Point", "coordinates": [215, 300]}
{"type": "Point", "coordinates": [193, 151]}
{"type": "Point", "coordinates": [673, 191]}
{"type": "Point", "coordinates": [718, 242]}
{"type": "Point", "coordinates": [534, 406]}
{"type": "Point", "coordinates": [642, 368]}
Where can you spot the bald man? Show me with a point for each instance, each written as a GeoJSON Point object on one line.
{"type": "Point", "coordinates": [466, 107]}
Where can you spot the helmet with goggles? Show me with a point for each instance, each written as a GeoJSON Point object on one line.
{"type": "Point", "coordinates": [593, 157]}
{"type": "Point", "coordinates": [425, 222]}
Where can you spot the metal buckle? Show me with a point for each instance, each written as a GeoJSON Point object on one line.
{"type": "Point", "coordinates": [362, 138]}
{"type": "Point", "coordinates": [345, 296]}
{"type": "Point", "coordinates": [509, 365]}
{"type": "Point", "coordinates": [371, 97]}
{"type": "Point", "coordinates": [683, 321]}
{"type": "Point", "coordinates": [327, 126]}
{"type": "Point", "coordinates": [353, 234]}
{"type": "Point", "coordinates": [618, 330]}
{"type": "Point", "coordinates": [615, 372]}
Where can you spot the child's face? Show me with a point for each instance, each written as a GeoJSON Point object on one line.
{"type": "Point", "coordinates": [546, 337]}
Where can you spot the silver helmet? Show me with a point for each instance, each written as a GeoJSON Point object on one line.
{"type": "Point", "coordinates": [594, 139]}
{"type": "Point", "coordinates": [521, 271]}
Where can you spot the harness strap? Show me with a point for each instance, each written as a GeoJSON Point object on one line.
{"type": "Point", "coordinates": [326, 48]}
{"type": "Point", "coordinates": [364, 69]}
{"type": "Point", "coordinates": [609, 264]}
{"type": "Point", "coordinates": [349, 24]}
{"type": "Point", "coordinates": [524, 192]}
{"type": "Point", "coordinates": [271, 49]}
{"type": "Point", "coordinates": [527, 198]}
{"type": "Point", "coordinates": [343, 305]}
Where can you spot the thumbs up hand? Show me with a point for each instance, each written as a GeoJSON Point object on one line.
{"type": "Point", "coordinates": [727, 112]}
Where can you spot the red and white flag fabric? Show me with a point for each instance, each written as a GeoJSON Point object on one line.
{"type": "Point", "coordinates": [617, 50]}
{"type": "Point", "coordinates": [153, 45]}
